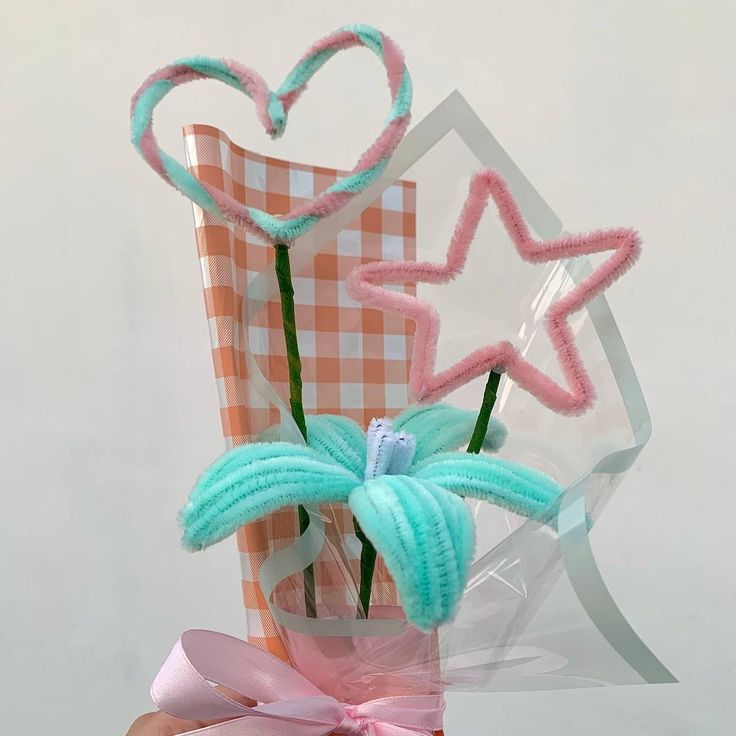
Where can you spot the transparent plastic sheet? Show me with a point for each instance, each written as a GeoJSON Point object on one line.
{"type": "Point", "coordinates": [536, 614]}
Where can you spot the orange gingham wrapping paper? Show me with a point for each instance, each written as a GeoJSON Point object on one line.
{"type": "Point", "coordinates": [355, 361]}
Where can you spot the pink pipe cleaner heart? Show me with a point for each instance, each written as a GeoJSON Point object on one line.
{"type": "Point", "coordinates": [272, 109]}
{"type": "Point", "coordinates": [364, 285]}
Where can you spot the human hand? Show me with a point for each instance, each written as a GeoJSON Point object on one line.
{"type": "Point", "coordinates": [163, 724]}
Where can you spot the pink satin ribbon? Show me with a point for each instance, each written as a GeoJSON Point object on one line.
{"type": "Point", "coordinates": [290, 705]}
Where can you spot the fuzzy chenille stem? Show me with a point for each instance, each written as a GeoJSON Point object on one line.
{"type": "Point", "coordinates": [286, 290]}
{"type": "Point", "coordinates": [484, 414]}
{"type": "Point", "coordinates": [367, 567]}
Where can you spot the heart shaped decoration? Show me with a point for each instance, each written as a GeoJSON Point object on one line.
{"type": "Point", "coordinates": [272, 109]}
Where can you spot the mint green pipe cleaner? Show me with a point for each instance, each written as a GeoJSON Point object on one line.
{"type": "Point", "coordinates": [404, 482]}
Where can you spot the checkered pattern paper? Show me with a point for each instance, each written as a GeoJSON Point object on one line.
{"type": "Point", "coordinates": [355, 360]}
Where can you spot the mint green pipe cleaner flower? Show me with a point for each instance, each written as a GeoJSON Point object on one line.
{"type": "Point", "coordinates": [403, 483]}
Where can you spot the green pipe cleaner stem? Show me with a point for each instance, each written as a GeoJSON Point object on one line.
{"type": "Point", "coordinates": [484, 413]}
{"type": "Point", "coordinates": [368, 556]}
{"type": "Point", "coordinates": [368, 551]}
{"type": "Point", "coordinates": [288, 316]}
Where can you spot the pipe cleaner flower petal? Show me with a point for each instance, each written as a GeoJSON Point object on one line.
{"type": "Point", "coordinates": [511, 485]}
{"type": "Point", "coordinates": [365, 285]}
{"type": "Point", "coordinates": [441, 427]}
{"type": "Point", "coordinates": [437, 428]}
{"type": "Point", "coordinates": [404, 489]}
{"type": "Point", "coordinates": [426, 538]}
{"type": "Point", "coordinates": [252, 481]}
{"type": "Point", "coordinates": [340, 438]}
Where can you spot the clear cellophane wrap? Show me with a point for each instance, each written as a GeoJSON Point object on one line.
{"type": "Point", "coordinates": [536, 613]}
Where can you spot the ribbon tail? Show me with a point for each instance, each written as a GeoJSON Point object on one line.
{"type": "Point", "coordinates": [391, 729]}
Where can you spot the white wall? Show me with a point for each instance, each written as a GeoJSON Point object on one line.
{"type": "Point", "coordinates": [617, 111]}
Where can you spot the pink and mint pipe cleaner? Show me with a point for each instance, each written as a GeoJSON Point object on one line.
{"type": "Point", "coordinates": [272, 109]}
{"type": "Point", "coordinates": [403, 481]}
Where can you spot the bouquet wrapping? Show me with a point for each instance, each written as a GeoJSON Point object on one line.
{"type": "Point", "coordinates": [525, 618]}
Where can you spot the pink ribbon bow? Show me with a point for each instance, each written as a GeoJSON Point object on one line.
{"type": "Point", "coordinates": [290, 705]}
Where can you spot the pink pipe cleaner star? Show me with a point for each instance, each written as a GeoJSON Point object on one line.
{"type": "Point", "coordinates": [364, 285]}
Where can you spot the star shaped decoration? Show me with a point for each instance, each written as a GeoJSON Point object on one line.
{"type": "Point", "coordinates": [366, 283]}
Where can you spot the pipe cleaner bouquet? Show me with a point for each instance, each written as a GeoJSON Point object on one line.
{"type": "Point", "coordinates": [355, 484]}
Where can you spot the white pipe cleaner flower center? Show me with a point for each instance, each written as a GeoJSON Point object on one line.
{"type": "Point", "coordinates": [388, 452]}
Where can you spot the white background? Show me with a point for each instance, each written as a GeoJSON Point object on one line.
{"type": "Point", "coordinates": [619, 112]}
